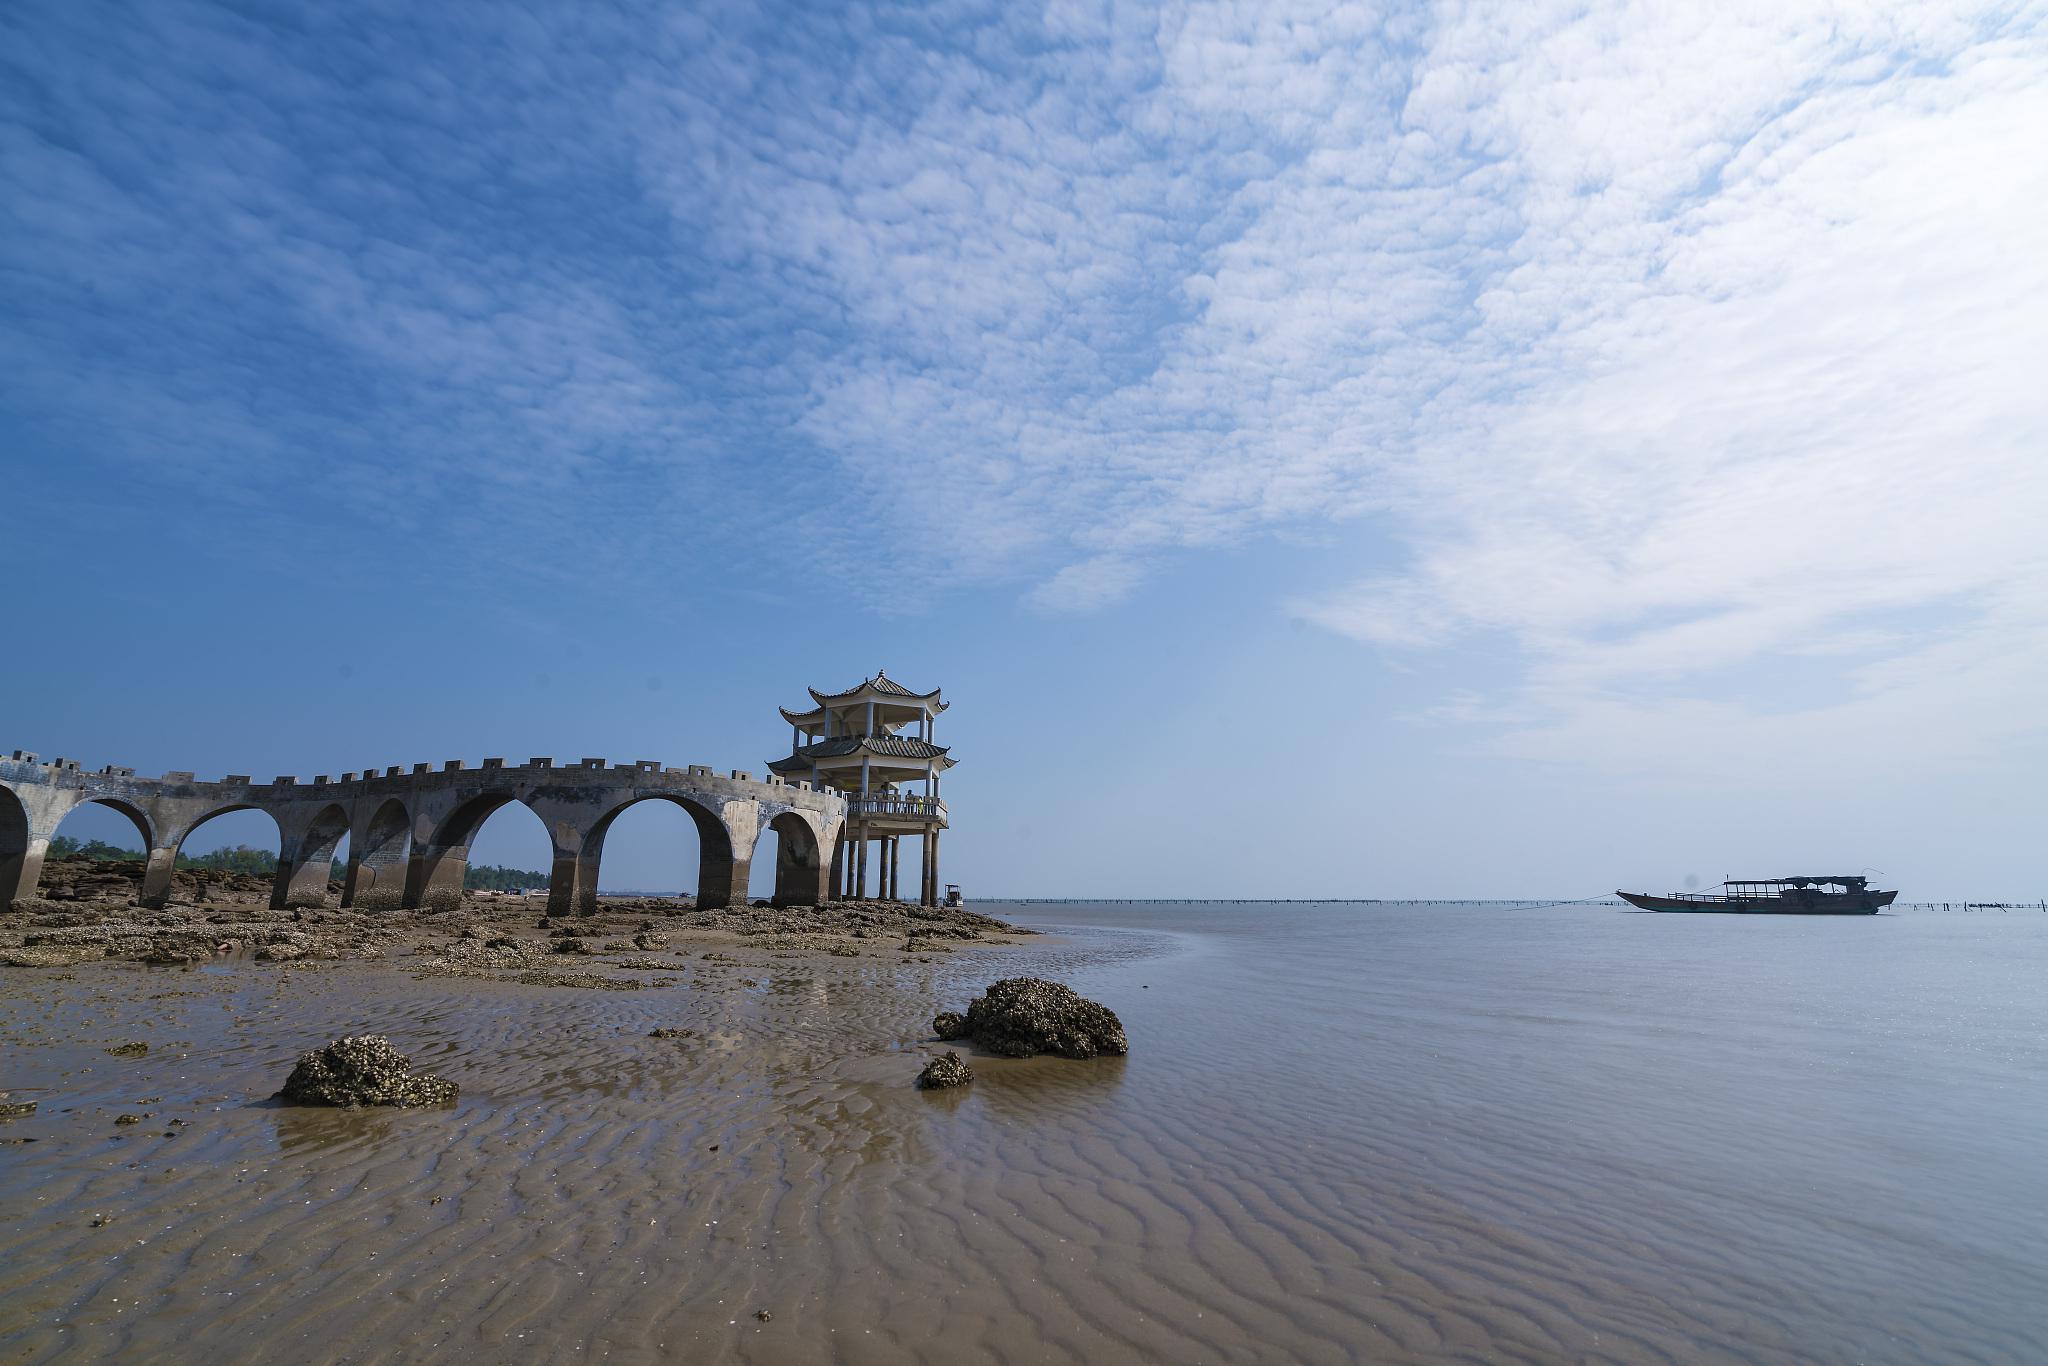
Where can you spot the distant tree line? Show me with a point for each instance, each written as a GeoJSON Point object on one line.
{"type": "Point", "coordinates": [240, 859]}
{"type": "Point", "coordinates": [262, 863]}
{"type": "Point", "coordinates": [489, 877]}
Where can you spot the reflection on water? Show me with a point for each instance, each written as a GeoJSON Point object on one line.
{"type": "Point", "coordinates": [1051, 1090]}
{"type": "Point", "coordinates": [299, 1129]}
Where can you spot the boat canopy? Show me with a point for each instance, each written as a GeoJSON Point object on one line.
{"type": "Point", "coordinates": [1772, 886]}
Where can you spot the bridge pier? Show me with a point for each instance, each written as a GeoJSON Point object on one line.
{"type": "Point", "coordinates": [572, 879]}
{"type": "Point", "coordinates": [722, 881]}
{"type": "Point", "coordinates": [305, 857]}
{"type": "Point", "coordinates": [802, 876]}
{"type": "Point", "coordinates": [379, 850]}
{"type": "Point", "coordinates": [156, 878]}
{"type": "Point", "coordinates": [433, 878]}
{"type": "Point", "coordinates": [21, 869]}
{"type": "Point", "coordinates": [375, 883]}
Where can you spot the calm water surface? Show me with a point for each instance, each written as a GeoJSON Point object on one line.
{"type": "Point", "coordinates": [1582, 1132]}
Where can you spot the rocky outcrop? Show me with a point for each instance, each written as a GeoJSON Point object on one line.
{"type": "Point", "coordinates": [1022, 1016]}
{"type": "Point", "coordinates": [363, 1069]}
{"type": "Point", "coordinates": [945, 1071]}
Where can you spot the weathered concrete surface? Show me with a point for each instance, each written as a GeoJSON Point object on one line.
{"type": "Point", "coordinates": [409, 831]}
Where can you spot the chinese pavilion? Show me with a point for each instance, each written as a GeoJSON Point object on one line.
{"type": "Point", "coordinates": [873, 743]}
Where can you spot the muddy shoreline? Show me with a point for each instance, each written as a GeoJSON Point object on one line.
{"type": "Point", "coordinates": [87, 913]}
{"type": "Point", "coordinates": [651, 1095]}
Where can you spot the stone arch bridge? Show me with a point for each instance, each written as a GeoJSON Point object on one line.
{"type": "Point", "coordinates": [409, 830]}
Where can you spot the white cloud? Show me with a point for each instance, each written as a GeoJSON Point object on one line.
{"type": "Point", "coordinates": [1817, 399]}
{"type": "Point", "coordinates": [1672, 337]}
{"type": "Point", "coordinates": [1669, 338]}
{"type": "Point", "coordinates": [1092, 583]}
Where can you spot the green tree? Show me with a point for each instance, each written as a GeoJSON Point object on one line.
{"type": "Point", "coordinates": [63, 847]}
{"type": "Point", "coordinates": [491, 878]}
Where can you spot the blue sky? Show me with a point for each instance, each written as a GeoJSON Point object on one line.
{"type": "Point", "coordinates": [1321, 450]}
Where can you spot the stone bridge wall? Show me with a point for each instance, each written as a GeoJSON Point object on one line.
{"type": "Point", "coordinates": [409, 830]}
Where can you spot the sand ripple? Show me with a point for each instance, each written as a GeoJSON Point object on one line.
{"type": "Point", "coordinates": [596, 1193]}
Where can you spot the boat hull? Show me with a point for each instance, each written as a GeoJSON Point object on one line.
{"type": "Point", "coordinates": [1808, 903]}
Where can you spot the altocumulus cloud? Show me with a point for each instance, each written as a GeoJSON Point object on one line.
{"type": "Point", "coordinates": [1672, 338]}
{"type": "Point", "coordinates": [1667, 339]}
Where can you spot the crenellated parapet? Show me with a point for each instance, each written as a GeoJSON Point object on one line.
{"type": "Point", "coordinates": [409, 828]}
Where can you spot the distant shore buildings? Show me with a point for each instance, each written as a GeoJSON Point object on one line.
{"type": "Point", "coordinates": [874, 744]}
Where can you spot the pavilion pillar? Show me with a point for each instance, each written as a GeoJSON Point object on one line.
{"type": "Point", "coordinates": [839, 867]}
{"type": "Point", "coordinates": [895, 847]}
{"type": "Point", "coordinates": [860, 876]}
{"type": "Point", "coordinates": [936, 885]}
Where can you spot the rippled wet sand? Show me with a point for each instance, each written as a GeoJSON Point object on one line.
{"type": "Point", "coordinates": [1422, 1135]}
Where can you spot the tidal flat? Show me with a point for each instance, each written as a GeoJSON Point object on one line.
{"type": "Point", "coordinates": [1420, 1133]}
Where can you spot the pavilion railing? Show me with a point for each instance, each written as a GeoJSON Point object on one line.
{"type": "Point", "coordinates": [896, 804]}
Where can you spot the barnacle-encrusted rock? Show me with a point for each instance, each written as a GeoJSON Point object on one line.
{"type": "Point", "coordinates": [948, 1024]}
{"type": "Point", "coordinates": [48, 955]}
{"type": "Point", "coordinates": [1020, 1016]}
{"type": "Point", "coordinates": [945, 1071]}
{"type": "Point", "coordinates": [362, 1069]}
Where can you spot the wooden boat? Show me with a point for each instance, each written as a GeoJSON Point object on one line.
{"type": "Point", "coordinates": [1776, 896]}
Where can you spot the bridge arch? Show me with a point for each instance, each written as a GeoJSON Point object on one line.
{"type": "Point", "coordinates": [439, 864]}
{"type": "Point", "coordinates": [176, 843]}
{"type": "Point", "coordinates": [377, 859]}
{"type": "Point", "coordinates": [137, 817]}
{"type": "Point", "coordinates": [717, 863]}
{"type": "Point", "coordinates": [164, 858]}
{"type": "Point", "coordinates": [156, 867]}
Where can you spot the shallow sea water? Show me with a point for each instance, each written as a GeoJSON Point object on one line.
{"type": "Point", "coordinates": [1421, 1131]}
{"type": "Point", "coordinates": [1345, 1133]}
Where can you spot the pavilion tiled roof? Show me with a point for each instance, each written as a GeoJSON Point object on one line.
{"type": "Point", "coordinates": [882, 746]}
{"type": "Point", "coordinates": [880, 683]}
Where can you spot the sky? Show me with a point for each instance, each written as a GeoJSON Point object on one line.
{"type": "Point", "coordinates": [1321, 450]}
